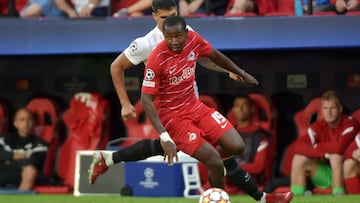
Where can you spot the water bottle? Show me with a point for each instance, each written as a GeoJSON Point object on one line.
{"type": "Point", "coordinates": [298, 8]}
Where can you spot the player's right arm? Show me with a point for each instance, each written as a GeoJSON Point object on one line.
{"type": "Point", "coordinates": [117, 69]}
{"type": "Point", "coordinates": [137, 52]}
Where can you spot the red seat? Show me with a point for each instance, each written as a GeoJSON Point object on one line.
{"type": "Point", "coordinates": [324, 13]}
{"type": "Point", "coordinates": [46, 113]}
{"type": "Point", "coordinates": [283, 8]}
{"type": "Point", "coordinates": [138, 128]}
{"type": "Point", "coordinates": [247, 14]}
{"type": "Point", "coordinates": [209, 101]}
{"type": "Point", "coordinates": [269, 123]}
{"type": "Point", "coordinates": [266, 6]}
{"type": "Point", "coordinates": [87, 123]}
{"type": "Point", "coordinates": [356, 114]}
{"type": "Point", "coordinates": [308, 115]}
{"type": "Point", "coordinates": [4, 4]}
{"type": "Point", "coordinates": [47, 127]}
{"type": "Point", "coordinates": [4, 117]}
{"type": "Point", "coordinates": [352, 13]}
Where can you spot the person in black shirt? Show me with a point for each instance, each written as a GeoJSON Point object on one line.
{"type": "Point", "coordinates": [22, 154]}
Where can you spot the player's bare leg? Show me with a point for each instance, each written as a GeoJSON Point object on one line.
{"type": "Point", "coordinates": [28, 177]}
{"type": "Point", "coordinates": [208, 155]}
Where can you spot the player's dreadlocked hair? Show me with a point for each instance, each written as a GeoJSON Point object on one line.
{"type": "Point", "coordinates": [163, 4]}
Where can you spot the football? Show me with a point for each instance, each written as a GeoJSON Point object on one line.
{"type": "Point", "coordinates": [214, 195]}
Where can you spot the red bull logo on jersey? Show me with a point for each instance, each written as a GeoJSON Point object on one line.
{"type": "Point", "coordinates": [191, 56]}
{"type": "Point", "coordinates": [186, 73]}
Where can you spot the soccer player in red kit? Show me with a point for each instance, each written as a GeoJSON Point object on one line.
{"type": "Point", "coordinates": [169, 78]}
{"type": "Point", "coordinates": [320, 153]}
{"type": "Point", "coordinates": [182, 121]}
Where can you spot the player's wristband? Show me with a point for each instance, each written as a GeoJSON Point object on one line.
{"type": "Point", "coordinates": [165, 137]}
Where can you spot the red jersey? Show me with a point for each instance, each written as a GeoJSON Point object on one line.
{"type": "Point", "coordinates": [321, 139]}
{"type": "Point", "coordinates": [257, 149]}
{"type": "Point", "coordinates": [170, 76]}
{"type": "Point", "coordinates": [353, 146]}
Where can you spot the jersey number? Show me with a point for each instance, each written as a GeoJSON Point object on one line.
{"type": "Point", "coordinates": [218, 117]}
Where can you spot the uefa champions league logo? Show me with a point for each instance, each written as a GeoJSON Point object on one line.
{"type": "Point", "coordinates": [149, 173]}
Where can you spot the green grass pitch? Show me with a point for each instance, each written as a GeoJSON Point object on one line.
{"type": "Point", "coordinates": [120, 199]}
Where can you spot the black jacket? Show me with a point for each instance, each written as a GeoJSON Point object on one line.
{"type": "Point", "coordinates": [32, 145]}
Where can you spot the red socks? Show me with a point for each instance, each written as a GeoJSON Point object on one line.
{"type": "Point", "coordinates": [353, 185]}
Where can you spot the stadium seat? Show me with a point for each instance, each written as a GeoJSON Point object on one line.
{"type": "Point", "coordinates": [356, 114]}
{"type": "Point", "coordinates": [47, 127]}
{"type": "Point", "coordinates": [4, 117]}
{"type": "Point", "coordinates": [247, 14]}
{"type": "Point", "coordinates": [352, 13]}
{"type": "Point", "coordinates": [283, 8]}
{"type": "Point", "coordinates": [308, 115]}
{"type": "Point", "coordinates": [4, 7]}
{"type": "Point", "coordinates": [266, 116]}
{"type": "Point", "coordinates": [324, 13]}
{"type": "Point", "coordinates": [265, 113]}
{"type": "Point", "coordinates": [266, 6]}
{"type": "Point", "coordinates": [209, 101]}
{"type": "Point", "coordinates": [87, 122]}
{"type": "Point", "coordinates": [138, 128]}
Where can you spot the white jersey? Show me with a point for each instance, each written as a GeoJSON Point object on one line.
{"type": "Point", "coordinates": [140, 49]}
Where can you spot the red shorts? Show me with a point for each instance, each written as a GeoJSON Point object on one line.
{"type": "Point", "coordinates": [191, 131]}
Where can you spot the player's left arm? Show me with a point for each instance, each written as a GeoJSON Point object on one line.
{"type": "Point", "coordinates": [223, 61]}
{"type": "Point", "coordinates": [207, 63]}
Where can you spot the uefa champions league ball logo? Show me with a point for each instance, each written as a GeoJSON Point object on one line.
{"type": "Point", "coordinates": [133, 46]}
{"type": "Point", "coordinates": [149, 75]}
{"type": "Point", "coordinates": [149, 173]}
